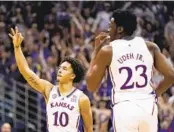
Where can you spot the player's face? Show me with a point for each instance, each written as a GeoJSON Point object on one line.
{"type": "Point", "coordinates": [112, 29]}
{"type": "Point", "coordinates": [6, 128]}
{"type": "Point", "coordinates": [115, 31]}
{"type": "Point", "coordinates": [65, 73]}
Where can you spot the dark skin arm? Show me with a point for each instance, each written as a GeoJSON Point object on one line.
{"type": "Point", "coordinates": [162, 65]}
{"type": "Point", "coordinates": [98, 67]}
{"type": "Point", "coordinates": [101, 58]}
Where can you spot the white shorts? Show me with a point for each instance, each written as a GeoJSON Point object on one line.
{"type": "Point", "coordinates": [135, 116]}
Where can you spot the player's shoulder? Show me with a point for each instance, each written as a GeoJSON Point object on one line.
{"type": "Point", "coordinates": [151, 45]}
{"type": "Point", "coordinates": [84, 97]}
{"type": "Point", "coordinates": [48, 90]}
{"type": "Point", "coordinates": [106, 48]}
{"type": "Point", "coordinates": [105, 55]}
{"type": "Point", "coordinates": [106, 52]}
{"type": "Point", "coordinates": [81, 94]}
{"type": "Point", "coordinates": [84, 101]}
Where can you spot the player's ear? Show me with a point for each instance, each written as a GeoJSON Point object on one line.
{"type": "Point", "coordinates": [120, 29]}
{"type": "Point", "coordinates": [73, 76]}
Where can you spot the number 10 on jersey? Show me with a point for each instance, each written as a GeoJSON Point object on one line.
{"type": "Point", "coordinates": [60, 119]}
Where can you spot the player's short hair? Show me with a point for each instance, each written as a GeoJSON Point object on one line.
{"type": "Point", "coordinates": [126, 19]}
{"type": "Point", "coordinates": [77, 67]}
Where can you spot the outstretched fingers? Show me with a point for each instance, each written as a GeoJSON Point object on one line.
{"type": "Point", "coordinates": [18, 37]}
{"type": "Point", "coordinates": [11, 36]}
{"type": "Point", "coordinates": [12, 31]}
{"type": "Point", "coordinates": [21, 37]}
{"type": "Point", "coordinates": [16, 30]}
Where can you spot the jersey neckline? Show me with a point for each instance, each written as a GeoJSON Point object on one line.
{"type": "Point", "coordinates": [68, 94]}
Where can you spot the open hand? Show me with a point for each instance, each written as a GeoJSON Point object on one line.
{"type": "Point", "coordinates": [16, 37]}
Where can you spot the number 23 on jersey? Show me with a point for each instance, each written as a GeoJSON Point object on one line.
{"type": "Point", "coordinates": [129, 84]}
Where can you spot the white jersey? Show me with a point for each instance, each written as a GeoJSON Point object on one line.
{"type": "Point", "coordinates": [63, 112]}
{"type": "Point", "coordinates": [130, 70]}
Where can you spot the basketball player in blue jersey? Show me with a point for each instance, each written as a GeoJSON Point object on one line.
{"type": "Point", "coordinates": [65, 104]}
{"type": "Point", "coordinates": [129, 61]}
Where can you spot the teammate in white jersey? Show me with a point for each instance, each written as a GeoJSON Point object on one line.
{"type": "Point", "coordinates": [65, 104]}
{"type": "Point", "coordinates": [129, 61]}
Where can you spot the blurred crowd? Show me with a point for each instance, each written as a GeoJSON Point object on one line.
{"type": "Point", "coordinates": [53, 30]}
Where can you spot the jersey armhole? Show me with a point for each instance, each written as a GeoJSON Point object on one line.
{"type": "Point", "coordinates": [47, 98]}
{"type": "Point", "coordinates": [112, 54]}
{"type": "Point", "coordinates": [151, 53]}
{"type": "Point", "coordinates": [81, 94]}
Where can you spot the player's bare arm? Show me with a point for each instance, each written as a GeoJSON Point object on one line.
{"type": "Point", "coordinates": [38, 84]}
{"type": "Point", "coordinates": [162, 65]}
{"type": "Point", "coordinates": [86, 112]}
{"type": "Point", "coordinates": [98, 67]}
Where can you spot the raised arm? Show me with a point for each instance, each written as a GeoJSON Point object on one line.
{"type": "Point", "coordinates": [86, 112]}
{"type": "Point", "coordinates": [164, 67]}
{"type": "Point", "coordinates": [101, 58]}
{"type": "Point", "coordinates": [98, 67]}
{"type": "Point", "coordinates": [38, 84]}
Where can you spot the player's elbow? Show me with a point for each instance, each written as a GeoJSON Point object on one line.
{"type": "Point", "coordinates": [90, 83]}
{"type": "Point", "coordinates": [89, 129]}
{"type": "Point", "coordinates": [170, 76]}
{"type": "Point", "coordinates": [90, 88]}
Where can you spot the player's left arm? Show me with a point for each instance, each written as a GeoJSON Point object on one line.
{"type": "Point", "coordinates": [98, 67]}
{"type": "Point", "coordinates": [86, 113]}
{"type": "Point", "coordinates": [164, 67]}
